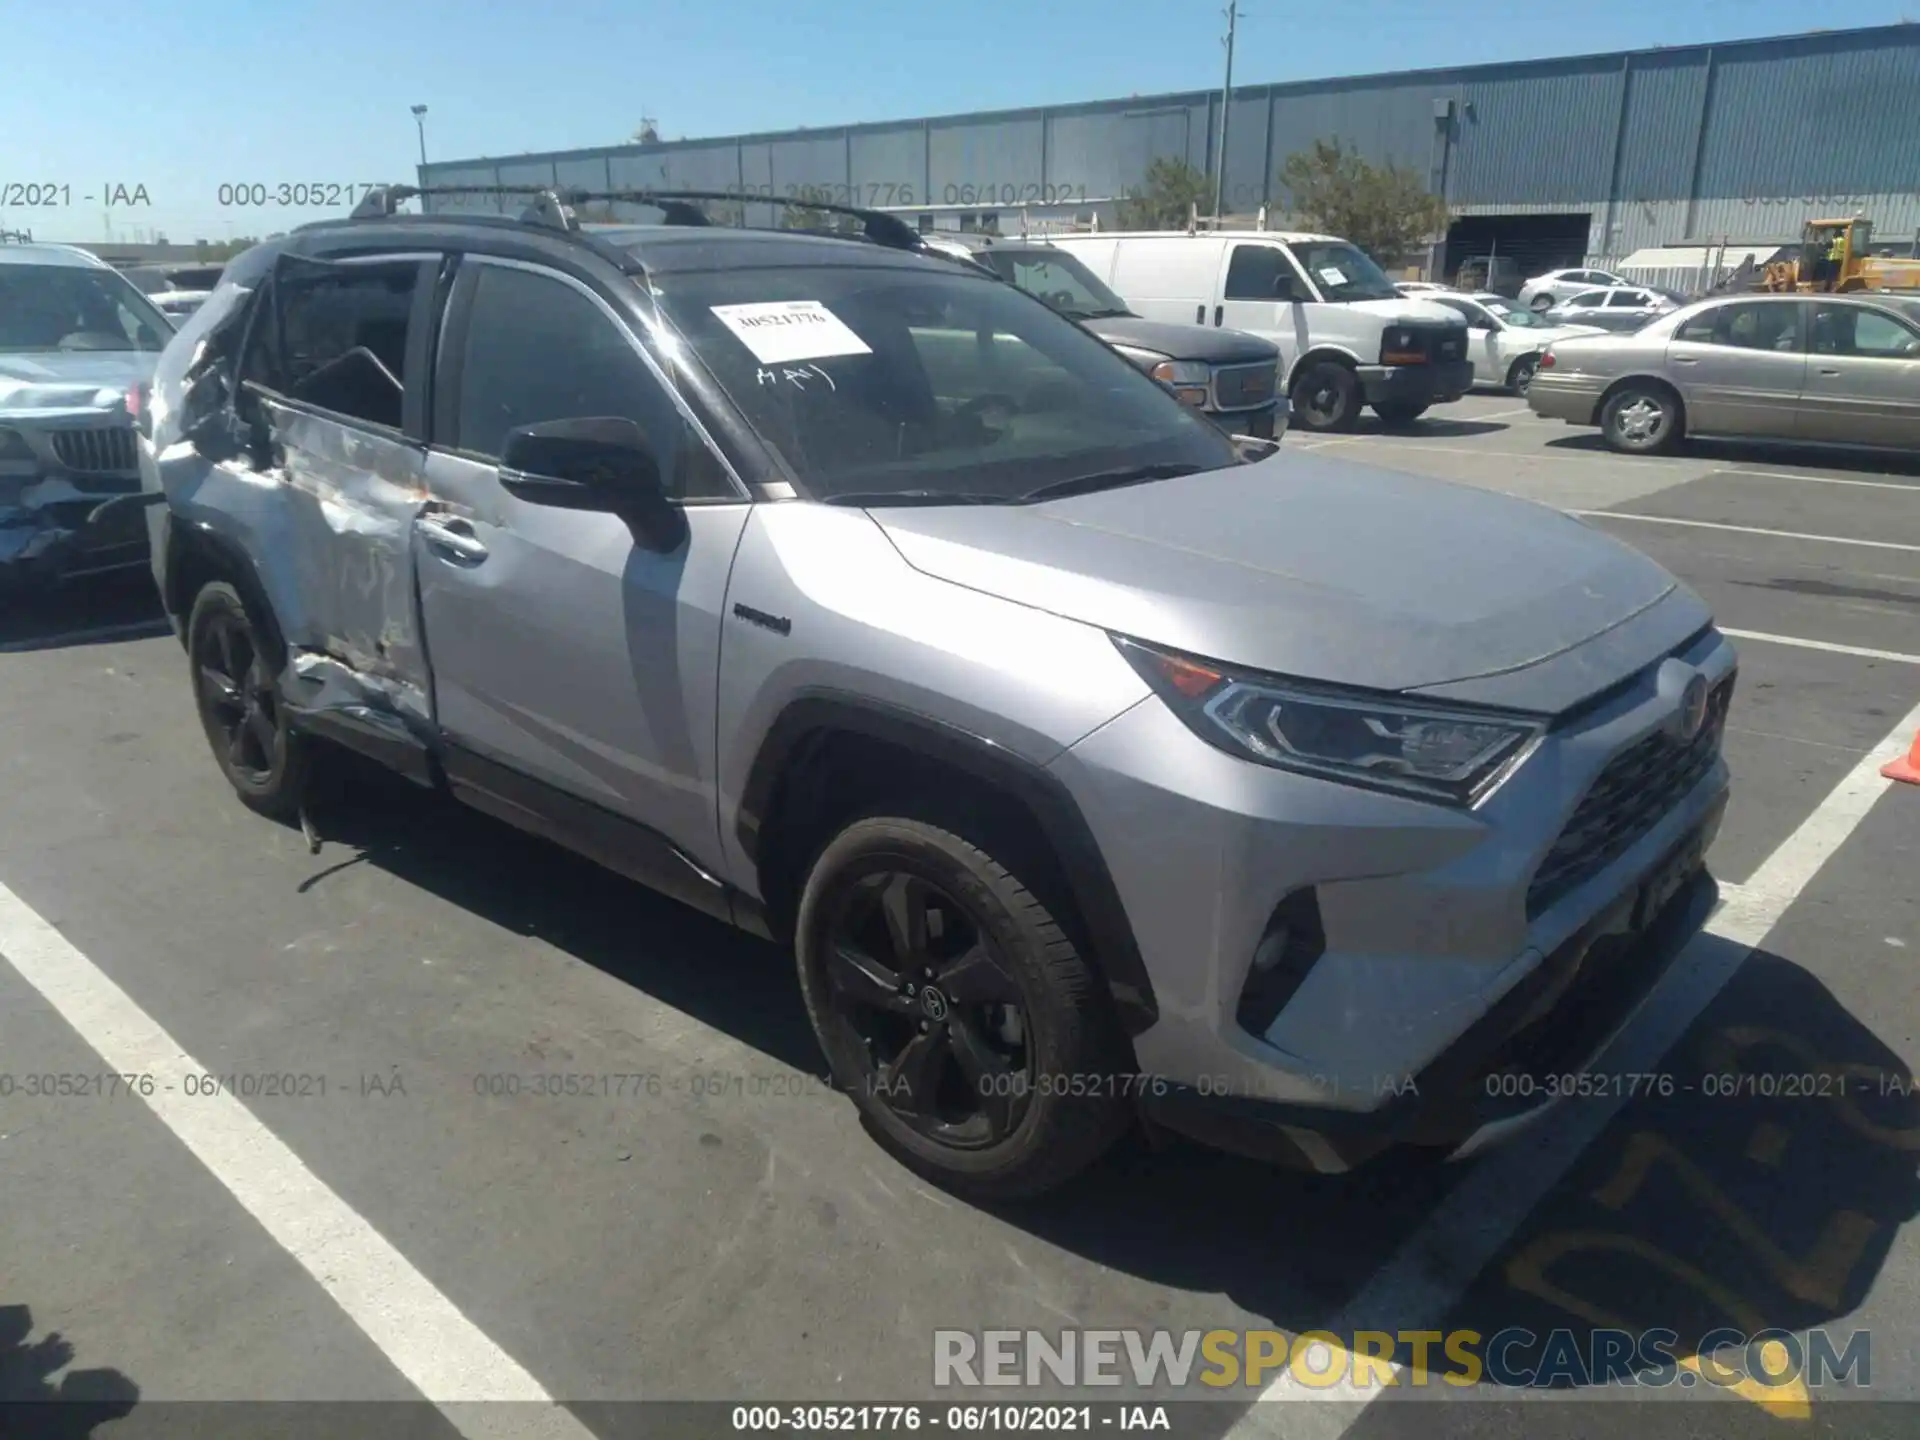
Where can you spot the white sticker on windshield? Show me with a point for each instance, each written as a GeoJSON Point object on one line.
{"type": "Point", "coordinates": [781, 330]}
{"type": "Point", "coordinates": [1334, 275]}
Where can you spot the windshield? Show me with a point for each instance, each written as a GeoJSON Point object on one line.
{"type": "Point", "coordinates": [1518, 317]}
{"type": "Point", "coordinates": [1058, 279]}
{"type": "Point", "coordinates": [1342, 272]}
{"type": "Point", "coordinates": [67, 307]}
{"type": "Point", "coordinates": [917, 384]}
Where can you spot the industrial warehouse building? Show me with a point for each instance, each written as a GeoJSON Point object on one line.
{"type": "Point", "coordinates": [1557, 162]}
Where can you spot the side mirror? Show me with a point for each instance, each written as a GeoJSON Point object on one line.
{"type": "Point", "coordinates": [1291, 290]}
{"type": "Point", "coordinates": [603, 463]}
{"type": "Point", "coordinates": [596, 463]}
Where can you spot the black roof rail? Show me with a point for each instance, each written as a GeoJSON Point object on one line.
{"type": "Point", "coordinates": [556, 207]}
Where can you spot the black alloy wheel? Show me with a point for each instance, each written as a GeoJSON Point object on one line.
{"type": "Point", "coordinates": [236, 690]}
{"type": "Point", "coordinates": [238, 694]}
{"type": "Point", "coordinates": [939, 1020]}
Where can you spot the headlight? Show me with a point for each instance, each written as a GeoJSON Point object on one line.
{"type": "Point", "coordinates": [1401, 346]}
{"type": "Point", "coordinates": [1452, 755]}
{"type": "Point", "coordinates": [1188, 379]}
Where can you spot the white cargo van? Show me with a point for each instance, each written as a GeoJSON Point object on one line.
{"type": "Point", "coordinates": [1347, 337]}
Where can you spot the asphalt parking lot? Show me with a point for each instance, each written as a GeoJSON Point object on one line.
{"type": "Point", "coordinates": [394, 1222]}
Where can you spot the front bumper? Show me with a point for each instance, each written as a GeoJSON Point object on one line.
{"type": "Point", "coordinates": [44, 545]}
{"type": "Point", "coordinates": [1533, 1049]}
{"type": "Point", "coordinates": [1266, 422]}
{"type": "Point", "coordinates": [1435, 383]}
{"type": "Point", "coordinates": [1444, 935]}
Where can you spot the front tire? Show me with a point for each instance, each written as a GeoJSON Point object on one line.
{"type": "Point", "coordinates": [1326, 397]}
{"type": "Point", "coordinates": [1520, 376]}
{"type": "Point", "coordinates": [976, 1041]}
{"type": "Point", "coordinates": [1540, 304]}
{"type": "Point", "coordinates": [236, 691]}
{"type": "Point", "coordinates": [1641, 418]}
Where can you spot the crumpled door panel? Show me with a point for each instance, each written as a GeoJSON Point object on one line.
{"type": "Point", "coordinates": [344, 541]}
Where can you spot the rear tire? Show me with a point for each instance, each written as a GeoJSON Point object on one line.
{"type": "Point", "coordinates": [235, 674]}
{"type": "Point", "coordinates": [1641, 418]}
{"type": "Point", "coordinates": [1326, 397]}
{"type": "Point", "coordinates": [1399, 416]}
{"type": "Point", "coordinates": [1540, 304]}
{"type": "Point", "coordinates": [978, 1045]}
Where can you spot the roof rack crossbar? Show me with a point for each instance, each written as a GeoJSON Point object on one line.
{"type": "Point", "coordinates": [555, 206]}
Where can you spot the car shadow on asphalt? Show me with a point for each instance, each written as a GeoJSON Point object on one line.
{"type": "Point", "coordinates": [33, 1404]}
{"type": "Point", "coordinates": [1733, 453]}
{"type": "Point", "coordinates": [1179, 1214]}
{"type": "Point", "coordinates": [1295, 1249]}
{"type": "Point", "coordinates": [1428, 426]}
{"type": "Point", "coordinates": [92, 610]}
{"type": "Point", "coordinates": [1762, 1194]}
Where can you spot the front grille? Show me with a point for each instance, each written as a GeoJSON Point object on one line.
{"type": "Point", "coordinates": [107, 450]}
{"type": "Point", "coordinates": [1639, 786]}
{"type": "Point", "coordinates": [1241, 387]}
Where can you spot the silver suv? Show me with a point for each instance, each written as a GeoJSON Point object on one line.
{"type": "Point", "coordinates": [1094, 767]}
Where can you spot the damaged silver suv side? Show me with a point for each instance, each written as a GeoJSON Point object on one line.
{"type": "Point", "coordinates": [1096, 764]}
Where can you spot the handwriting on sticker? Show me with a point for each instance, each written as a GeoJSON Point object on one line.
{"type": "Point", "coordinates": [799, 376]}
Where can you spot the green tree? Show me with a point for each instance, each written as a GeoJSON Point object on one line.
{"type": "Point", "coordinates": [1386, 210]}
{"type": "Point", "coordinates": [798, 215]}
{"type": "Point", "coordinates": [1164, 202]}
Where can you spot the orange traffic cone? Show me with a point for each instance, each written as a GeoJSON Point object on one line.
{"type": "Point", "coordinates": [1907, 769]}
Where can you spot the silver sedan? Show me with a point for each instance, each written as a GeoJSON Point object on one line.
{"type": "Point", "coordinates": [1809, 369]}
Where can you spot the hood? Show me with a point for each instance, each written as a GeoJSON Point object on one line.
{"type": "Point", "coordinates": [1405, 309]}
{"type": "Point", "coordinates": [1184, 342]}
{"type": "Point", "coordinates": [1307, 566]}
{"type": "Point", "coordinates": [71, 380]}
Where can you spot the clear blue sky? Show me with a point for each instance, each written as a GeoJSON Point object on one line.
{"type": "Point", "coordinates": [180, 96]}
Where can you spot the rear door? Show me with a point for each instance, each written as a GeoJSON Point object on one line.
{"type": "Point", "coordinates": [1740, 367]}
{"type": "Point", "coordinates": [1863, 378]}
{"type": "Point", "coordinates": [334, 371]}
{"type": "Point", "coordinates": [568, 651]}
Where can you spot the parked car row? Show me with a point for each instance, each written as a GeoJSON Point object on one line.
{"type": "Point", "coordinates": [842, 590]}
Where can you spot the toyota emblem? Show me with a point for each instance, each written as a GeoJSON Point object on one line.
{"type": "Point", "coordinates": [1693, 707]}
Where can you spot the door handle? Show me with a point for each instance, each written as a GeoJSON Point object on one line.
{"type": "Point", "coordinates": [1218, 311]}
{"type": "Point", "coordinates": [1200, 314]}
{"type": "Point", "coordinates": [1685, 360]}
{"type": "Point", "coordinates": [1825, 371]}
{"type": "Point", "coordinates": [452, 536]}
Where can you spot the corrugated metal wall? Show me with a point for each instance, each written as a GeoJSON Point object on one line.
{"type": "Point", "coordinates": [1663, 146]}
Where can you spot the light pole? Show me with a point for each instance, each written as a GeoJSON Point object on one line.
{"type": "Point", "coordinates": [1226, 100]}
{"type": "Point", "coordinates": [420, 123]}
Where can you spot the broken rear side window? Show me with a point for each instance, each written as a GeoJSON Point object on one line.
{"type": "Point", "coordinates": [335, 336]}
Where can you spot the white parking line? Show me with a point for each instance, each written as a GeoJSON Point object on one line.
{"type": "Point", "coordinates": [1426, 1278]}
{"type": "Point", "coordinates": [444, 1354]}
{"type": "Point", "coordinates": [1747, 529]}
{"type": "Point", "coordinates": [1837, 649]}
{"type": "Point", "coordinates": [1823, 479]}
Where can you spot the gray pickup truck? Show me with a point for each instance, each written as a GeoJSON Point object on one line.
{"type": "Point", "coordinates": [1228, 374]}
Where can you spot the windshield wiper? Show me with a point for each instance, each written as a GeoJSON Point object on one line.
{"type": "Point", "coordinates": [865, 498]}
{"type": "Point", "coordinates": [1102, 314]}
{"type": "Point", "coordinates": [1109, 480]}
